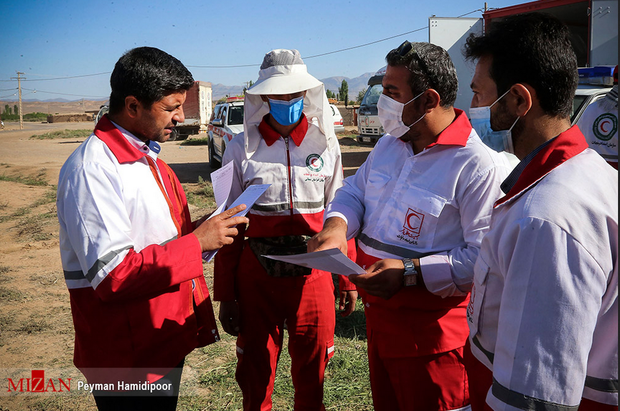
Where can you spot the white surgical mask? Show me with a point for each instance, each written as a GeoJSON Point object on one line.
{"type": "Point", "coordinates": [480, 118]}
{"type": "Point", "coordinates": [391, 115]}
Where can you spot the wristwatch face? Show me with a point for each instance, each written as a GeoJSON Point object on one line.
{"type": "Point", "coordinates": [411, 274]}
{"type": "Point", "coordinates": [411, 279]}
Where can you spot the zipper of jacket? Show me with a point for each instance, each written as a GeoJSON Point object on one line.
{"type": "Point", "coordinates": [288, 169]}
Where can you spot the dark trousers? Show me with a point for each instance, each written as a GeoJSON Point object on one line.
{"type": "Point", "coordinates": [161, 400]}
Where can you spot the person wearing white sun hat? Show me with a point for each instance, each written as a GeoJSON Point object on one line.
{"type": "Point", "coordinates": [288, 142]}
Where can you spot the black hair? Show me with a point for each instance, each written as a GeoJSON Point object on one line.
{"type": "Point", "coordinates": [148, 74]}
{"type": "Point", "coordinates": [430, 66]}
{"type": "Point", "coordinates": [534, 49]}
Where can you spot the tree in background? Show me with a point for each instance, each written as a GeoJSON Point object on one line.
{"type": "Point", "coordinates": [360, 96]}
{"type": "Point", "coordinates": [330, 94]}
{"type": "Point", "coordinates": [343, 92]}
{"type": "Point", "coordinates": [15, 109]}
{"type": "Point", "coordinates": [249, 85]}
{"type": "Point", "coordinates": [7, 110]}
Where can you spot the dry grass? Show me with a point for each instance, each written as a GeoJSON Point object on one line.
{"type": "Point", "coordinates": [36, 330]}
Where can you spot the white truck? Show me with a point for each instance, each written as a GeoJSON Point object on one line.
{"type": "Point", "coordinates": [594, 29]}
{"type": "Point", "coordinates": [197, 109]}
{"type": "Point", "coordinates": [368, 125]}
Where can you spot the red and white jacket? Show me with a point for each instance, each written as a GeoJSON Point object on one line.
{"type": "Point", "coordinates": [134, 270]}
{"type": "Point", "coordinates": [436, 206]}
{"type": "Point", "coordinates": [304, 172]}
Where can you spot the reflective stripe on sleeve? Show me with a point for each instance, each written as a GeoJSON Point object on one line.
{"type": "Point", "coordinates": [487, 354]}
{"type": "Point", "coordinates": [77, 279]}
{"type": "Point", "coordinates": [74, 275]}
{"type": "Point", "coordinates": [392, 249]}
{"type": "Point", "coordinates": [525, 402]}
{"type": "Point", "coordinates": [600, 384]}
{"type": "Point", "coordinates": [102, 262]}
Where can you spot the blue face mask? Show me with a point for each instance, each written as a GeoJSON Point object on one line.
{"type": "Point", "coordinates": [287, 112]}
{"type": "Point", "coordinates": [480, 118]}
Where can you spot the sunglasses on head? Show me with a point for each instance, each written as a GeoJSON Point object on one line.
{"type": "Point", "coordinates": [407, 48]}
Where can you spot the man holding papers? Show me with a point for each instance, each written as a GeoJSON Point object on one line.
{"type": "Point", "coordinates": [419, 207]}
{"type": "Point", "coordinates": [289, 143]}
{"type": "Point", "coordinates": [130, 253]}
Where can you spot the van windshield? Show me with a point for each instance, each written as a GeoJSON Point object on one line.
{"type": "Point", "coordinates": [369, 102]}
{"type": "Point", "coordinates": [372, 95]}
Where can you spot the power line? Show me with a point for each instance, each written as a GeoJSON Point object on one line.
{"type": "Point", "coordinates": [69, 77]}
{"type": "Point", "coordinates": [340, 50]}
{"type": "Point", "coordinates": [366, 44]}
{"type": "Point", "coordinates": [63, 94]}
{"type": "Point", "coordinates": [324, 54]}
{"type": "Point", "coordinates": [65, 77]}
{"type": "Point", "coordinates": [257, 65]}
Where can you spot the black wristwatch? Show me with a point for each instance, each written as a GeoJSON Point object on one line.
{"type": "Point", "coordinates": [411, 274]}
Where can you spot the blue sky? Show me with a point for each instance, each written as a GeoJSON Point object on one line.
{"type": "Point", "coordinates": [47, 40]}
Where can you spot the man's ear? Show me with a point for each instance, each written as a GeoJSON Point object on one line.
{"type": "Point", "coordinates": [432, 99]}
{"type": "Point", "coordinates": [523, 98]}
{"type": "Point", "coordinates": [132, 106]}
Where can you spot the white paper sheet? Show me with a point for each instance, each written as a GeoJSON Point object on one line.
{"type": "Point", "coordinates": [331, 260]}
{"type": "Point", "coordinates": [248, 197]}
{"type": "Point", "coordinates": [221, 179]}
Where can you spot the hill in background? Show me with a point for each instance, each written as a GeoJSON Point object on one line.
{"type": "Point", "coordinates": [63, 106]}
{"type": "Point", "coordinates": [356, 85]}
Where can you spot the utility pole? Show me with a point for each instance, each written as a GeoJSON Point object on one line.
{"type": "Point", "coordinates": [19, 87]}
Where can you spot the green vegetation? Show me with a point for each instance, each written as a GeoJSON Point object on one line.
{"type": "Point", "coordinates": [27, 117]}
{"type": "Point", "coordinates": [343, 92]}
{"type": "Point", "coordinates": [360, 96]}
{"type": "Point", "coordinates": [63, 134]}
{"type": "Point", "coordinates": [200, 195]}
{"type": "Point", "coordinates": [347, 381]}
{"type": "Point", "coordinates": [195, 142]}
{"type": "Point", "coordinates": [38, 180]}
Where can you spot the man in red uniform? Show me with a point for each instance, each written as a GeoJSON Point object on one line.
{"type": "Point", "coordinates": [132, 258]}
{"type": "Point", "coordinates": [288, 142]}
{"type": "Point", "coordinates": [419, 207]}
{"type": "Point", "coordinates": [543, 315]}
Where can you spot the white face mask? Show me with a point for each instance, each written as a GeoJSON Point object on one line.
{"type": "Point", "coordinates": [391, 115]}
{"type": "Point", "coordinates": [500, 140]}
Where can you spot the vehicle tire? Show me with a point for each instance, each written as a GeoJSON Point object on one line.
{"type": "Point", "coordinates": [174, 135]}
{"type": "Point", "coordinates": [213, 163]}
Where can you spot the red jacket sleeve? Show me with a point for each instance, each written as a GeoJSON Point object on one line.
{"type": "Point", "coordinates": [153, 269]}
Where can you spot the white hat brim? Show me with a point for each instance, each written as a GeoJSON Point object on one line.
{"type": "Point", "coordinates": [283, 80]}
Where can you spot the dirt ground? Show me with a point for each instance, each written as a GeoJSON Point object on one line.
{"type": "Point", "coordinates": [36, 330]}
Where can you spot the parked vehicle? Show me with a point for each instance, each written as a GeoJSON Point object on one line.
{"type": "Point", "coordinates": [593, 25]}
{"type": "Point", "coordinates": [594, 28]}
{"type": "Point", "coordinates": [197, 110]}
{"type": "Point", "coordinates": [226, 123]}
{"type": "Point", "coordinates": [102, 110]}
{"type": "Point", "coordinates": [338, 120]}
{"type": "Point", "coordinates": [594, 83]}
{"type": "Point", "coordinates": [368, 126]}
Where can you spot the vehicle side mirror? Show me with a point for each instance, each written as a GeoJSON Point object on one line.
{"type": "Point", "coordinates": [217, 122]}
